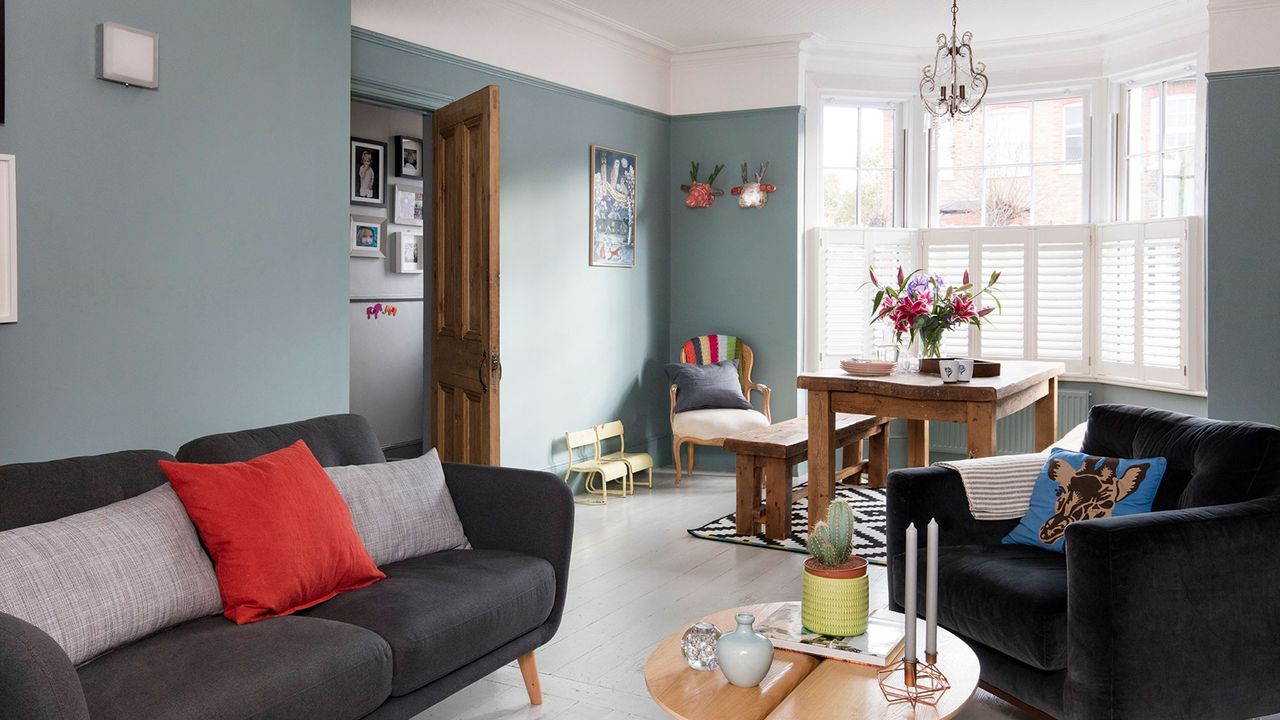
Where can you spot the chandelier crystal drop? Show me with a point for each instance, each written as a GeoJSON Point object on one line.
{"type": "Point", "coordinates": [954, 84]}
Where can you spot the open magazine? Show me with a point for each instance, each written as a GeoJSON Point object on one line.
{"type": "Point", "coordinates": [879, 646]}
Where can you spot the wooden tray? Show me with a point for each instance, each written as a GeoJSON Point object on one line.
{"type": "Point", "coordinates": [981, 368]}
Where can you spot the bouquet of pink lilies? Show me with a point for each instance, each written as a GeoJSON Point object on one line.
{"type": "Point", "coordinates": [925, 306]}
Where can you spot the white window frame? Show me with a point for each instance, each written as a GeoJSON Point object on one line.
{"type": "Point", "coordinates": [899, 109]}
{"type": "Point", "coordinates": [1123, 158]}
{"type": "Point", "coordinates": [1030, 95]}
{"type": "Point", "coordinates": [1189, 381]}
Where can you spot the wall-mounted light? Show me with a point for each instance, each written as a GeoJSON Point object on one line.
{"type": "Point", "coordinates": [128, 55]}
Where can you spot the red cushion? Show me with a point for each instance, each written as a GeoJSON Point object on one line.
{"type": "Point", "coordinates": [280, 535]}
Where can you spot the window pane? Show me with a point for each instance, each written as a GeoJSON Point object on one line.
{"type": "Point", "coordinates": [839, 136]}
{"type": "Point", "coordinates": [1072, 131]}
{"type": "Point", "coordinates": [1003, 336]}
{"type": "Point", "coordinates": [839, 197]}
{"type": "Point", "coordinates": [1178, 184]}
{"type": "Point", "coordinates": [875, 195]}
{"type": "Point", "coordinates": [1059, 195]}
{"type": "Point", "coordinates": [1144, 187]}
{"type": "Point", "coordinates": [1180, 114]}
{"type": "Point", "coordinates": [877, 138]}
{"type": "Point", "coordinates": [1007, 137]}
{"type": "Point", "coordinates": [1008, 199]}
{"type": "Point", "coordinates": [1144, 119]}
{"type": "Point", "coordinates": [960, 198]}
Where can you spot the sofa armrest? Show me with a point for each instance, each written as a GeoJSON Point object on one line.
{"type": "Point", "coordinates": [918, 495]}
{"type": "Point", "coordinates": [526, 511]}
{"type": "Point", "coordinates": [1175, 614]}
{"type": "Point", "coordinates": [37, 679]}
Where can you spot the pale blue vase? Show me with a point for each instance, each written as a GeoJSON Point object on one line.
{"type": "Point", "coordinates": [744, 655]}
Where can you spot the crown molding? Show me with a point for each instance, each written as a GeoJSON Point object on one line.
{"type": "Point", "coordinates": [1229, 6]}
{"type": "Point", "coordinates": [577, 18]}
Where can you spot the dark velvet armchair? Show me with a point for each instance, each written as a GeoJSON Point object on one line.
{"type": "Point", "coordinates": [1169, 614]}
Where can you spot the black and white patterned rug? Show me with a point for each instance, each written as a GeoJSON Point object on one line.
{"type": "Point", "coordinates": [868, 536]}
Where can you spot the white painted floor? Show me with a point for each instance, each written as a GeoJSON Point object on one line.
{"type": "Point", "coordinates": [637, 576]}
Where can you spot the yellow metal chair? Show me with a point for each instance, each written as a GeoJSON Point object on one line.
{"type": "Point", "coordinates": [594, 466]}
{"type": "Point", "coordinates": [711, 427]}
{"type": "Point", "coordinates": [636, 461]}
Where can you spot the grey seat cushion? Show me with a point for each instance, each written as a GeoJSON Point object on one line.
{"type": "Point", "coordinates": [440, 612]}
{"type": "Point", "coordinates": [288, 668]}
{"type": "Point", "coordinates": [1011, 598]}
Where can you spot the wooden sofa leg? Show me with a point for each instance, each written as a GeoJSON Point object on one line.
{"type": "Point", "coordinates": [529, 671]}
{"type": "Point", "coordinates": [675, 450]}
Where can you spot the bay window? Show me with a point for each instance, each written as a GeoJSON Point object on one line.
{"type": "Point", "coordinates": [859, 164]}
{"type": "Point", "coordinates": [1157, 176]}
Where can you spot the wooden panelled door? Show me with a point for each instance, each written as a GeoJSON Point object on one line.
{"type": "Point", "coordinates": [465, 363]}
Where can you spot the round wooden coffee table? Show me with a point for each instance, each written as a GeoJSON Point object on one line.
{"type": "Point", "coordinates": [798, 686]}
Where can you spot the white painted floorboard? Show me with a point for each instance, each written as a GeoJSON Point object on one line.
{"type": "Point", "coordinates": [637, 576]}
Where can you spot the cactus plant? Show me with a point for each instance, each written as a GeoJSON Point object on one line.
{"type": "Point", "coordinates": [831, 541]}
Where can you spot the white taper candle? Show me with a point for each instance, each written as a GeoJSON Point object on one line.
{"type": "Point", "coordinates": [931, 592]}
{"type": "Point", "coordinates": [909, 592]}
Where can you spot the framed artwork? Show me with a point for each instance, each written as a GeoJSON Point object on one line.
{"type": "Point", "coordinates": [409, 252]}
{"type": "Point", "coordinates": [613, 208]}
{"type": "Point", "coordinates": [408, 205]}
{"type": "Point", "coordinates": [366, 236]}
{"type": "Point", "coordinates": [368, 172]}
{"type": "Point", "coordinates": [408, 157]}
{"type": "Point", "coordinates": [8, 241]}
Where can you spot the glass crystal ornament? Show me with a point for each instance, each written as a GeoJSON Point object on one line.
{"type": "Point", "coordinates": [699, 646]}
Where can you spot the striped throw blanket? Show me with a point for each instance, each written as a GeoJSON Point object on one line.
{"type": "Point", "coordinates": [999, 487]}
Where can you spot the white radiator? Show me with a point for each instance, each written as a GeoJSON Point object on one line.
{"type": "Point", "coordinates": [1016, 433]}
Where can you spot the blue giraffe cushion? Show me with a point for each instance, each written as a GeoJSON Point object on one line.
{"type": "Point", "coordinates": [1073, 486]}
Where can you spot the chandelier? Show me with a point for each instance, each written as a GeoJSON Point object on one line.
{"type": "Point", "coordinates": [954, 84]}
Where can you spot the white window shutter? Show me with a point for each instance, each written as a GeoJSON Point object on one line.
{"type": "Point", "coordinates": [843, 310]}
{"type": "Point", "coordinates": [947, 253]}
{"type": "Point", "coordinates": [1164, 283]}
{"type": "Point", "coordinates": [1118, 297]}
{"type": "Point", "coordinates": [1004, 250]}
{"type": "Point", "coordinates": [1062, 297]}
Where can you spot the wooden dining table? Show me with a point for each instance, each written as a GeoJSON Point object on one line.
{"type": "Point", "coordinates": [919, 398]}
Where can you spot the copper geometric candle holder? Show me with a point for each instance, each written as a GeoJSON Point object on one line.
{"type": "Point", "coordinates": [913, 682]}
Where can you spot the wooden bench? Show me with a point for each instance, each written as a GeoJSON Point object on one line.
{"type": "Point", "coordinates": [766, 458]}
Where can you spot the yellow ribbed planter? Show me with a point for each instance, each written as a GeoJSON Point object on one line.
{"type": "Point", "coordinates": [834, 601]}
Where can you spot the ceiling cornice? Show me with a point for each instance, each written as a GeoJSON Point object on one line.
{"type": "Point", "coordinates": [1227, 6]}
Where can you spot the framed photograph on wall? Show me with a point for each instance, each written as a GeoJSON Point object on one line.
{"type": "Point", "coordinates": [613, 208]}
{"type": "Point", "coordinates": [409, 252]}
{"type": "Point", "coordinates": [366, 236]}
{"type": "Point", "coordinates": [368, 172]}
{"type": "Point", "coordinates": [408, 157]}
{"type": "Point", "coordinates": [407, 205]}
{"type": "Point", "coordinates": [8, 240]}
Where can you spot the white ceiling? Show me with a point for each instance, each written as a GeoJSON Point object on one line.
{"type": "Point", "coordinates": [687, 24]}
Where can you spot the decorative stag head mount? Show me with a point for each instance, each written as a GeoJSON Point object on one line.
{"type": "Point", "coordinates": [754, 194]}
{"type": "Point", "coordinates": [701, 194]}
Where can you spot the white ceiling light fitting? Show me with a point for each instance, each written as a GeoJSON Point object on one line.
{"type": "Point", "coordinates": [954, 84]}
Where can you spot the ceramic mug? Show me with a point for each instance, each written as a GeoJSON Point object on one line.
{"type": "Point", "coordinates": [949, 370]}
{"type": "Point", "coordinates": [964, 369]}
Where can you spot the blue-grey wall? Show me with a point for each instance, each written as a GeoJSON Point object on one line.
{"type": "Point", "coordinates": [579, 344]}
{"type": "Point", "coordinates": [182, 253]}
{"type": "Point", "coordinates": [1242, 240]}
{"type": "Point", "coordinates": [733, 270]}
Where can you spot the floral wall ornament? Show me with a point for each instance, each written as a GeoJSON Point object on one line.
{"type": "Point", "coordinates": [754, 194]}
{"type": "Point", "coordinates": [701, 194]}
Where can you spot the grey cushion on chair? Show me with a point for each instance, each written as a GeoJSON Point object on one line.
{"type": "Point", "coordinates": [100, 579]}
{"type": "Point", "coordinates": [702, 387]}
{"type": "Point", "coordinates": [401, 509]}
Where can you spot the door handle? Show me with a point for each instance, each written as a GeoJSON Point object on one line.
{"type": "Point", "coordinates": [483, 371]}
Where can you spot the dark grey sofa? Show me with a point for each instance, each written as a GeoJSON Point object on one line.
{"type": "Point", "coordinates": [1170, 614]}
{"type": "Point", "coordinates": [435, 625]}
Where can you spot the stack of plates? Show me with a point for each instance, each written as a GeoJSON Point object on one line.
{"type": "Point", "coordinates": [854, 366]}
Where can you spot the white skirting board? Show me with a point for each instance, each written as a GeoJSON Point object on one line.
{"type": "Point", "coordinates": [1016, 433]}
